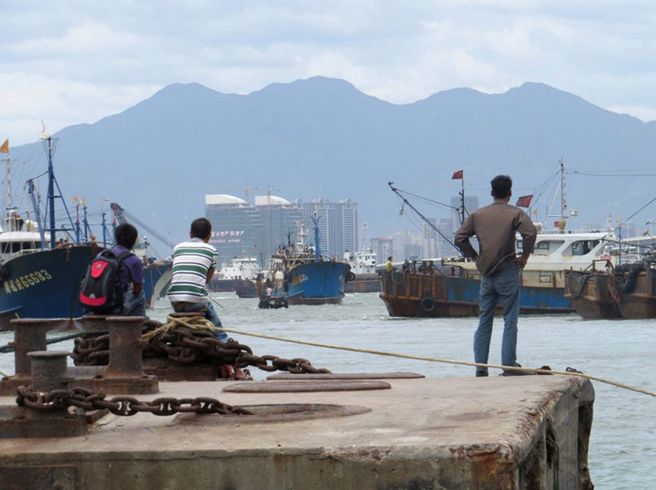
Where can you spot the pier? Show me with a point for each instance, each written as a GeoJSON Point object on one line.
{"type": "Point", "coordinates": [476, 433]}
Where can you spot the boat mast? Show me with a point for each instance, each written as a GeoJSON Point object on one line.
{"type": "Point", "coordinates": [47, 140]}
{"type": "Point", "coordinates": [37, 213]}
{"type": "Point", "coordinates": [9, 198]}
{"type": "Point", "coordinates": [563, 198]}
{"type": "Point", "coordinates": [461, 211]}
{"type": "Point", "coordinates": [315, 222]}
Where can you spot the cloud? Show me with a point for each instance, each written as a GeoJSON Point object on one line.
{"type": "Point", "coordinates": [78, 61]}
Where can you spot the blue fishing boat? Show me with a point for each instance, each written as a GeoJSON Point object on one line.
{"type": "Point", "coordinates": [305, 275]}
{"type": "Point", "coordinates": [39, 275]}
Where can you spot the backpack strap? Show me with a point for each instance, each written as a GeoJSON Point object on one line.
{"type": "Point", "coordinates": [121, 257]}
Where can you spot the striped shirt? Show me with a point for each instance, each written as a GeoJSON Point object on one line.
{"type": "Point", "coordinates": [191, 262]}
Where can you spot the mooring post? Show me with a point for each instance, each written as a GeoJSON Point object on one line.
{"type": "Point", "coordinates": [94, 323]}
{"type": "Point", "coordinates": [125, 347]}
{"type": "Point", "coordinates": [29, 336]}
{"type": "Point", "coordinates": [48, 370]}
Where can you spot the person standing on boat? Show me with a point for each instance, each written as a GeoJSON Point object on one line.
{"type": "Point", "coordinates": [131, 271]}
{"type": "Point", "coordinates": [194, 262]}
{"type": "Point", "coordinates": [495, 227]}
{"type": "Point", "coordinates": [389, 266]}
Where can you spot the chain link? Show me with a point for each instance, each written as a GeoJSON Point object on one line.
{"type": "Point", "coordinates": [122, 405]}
{"type": "Point", "coordinates": [192, 347]}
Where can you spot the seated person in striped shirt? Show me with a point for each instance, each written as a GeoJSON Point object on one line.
{"type": "Point", "coordinates": [193, 266]}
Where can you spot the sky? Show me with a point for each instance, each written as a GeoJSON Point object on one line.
{"type": "Point", "coordinates": [77, 61]}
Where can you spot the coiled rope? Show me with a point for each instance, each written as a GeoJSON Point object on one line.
{"type": "Point", "coordinates": [569, 372]}
{"type": "Point", "coordinates": [197, 323]}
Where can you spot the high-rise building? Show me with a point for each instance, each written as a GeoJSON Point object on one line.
{"type": "Point", "coordinates": [240, 229]}
{"type": "Point", "coordinates": [280, 220]}
{"type": "Point", "coordinates": [237, 229]}
{"type": "Point", "coordinates": [383, 247]}
{"type": "Point", "coordinates": [338, 225]}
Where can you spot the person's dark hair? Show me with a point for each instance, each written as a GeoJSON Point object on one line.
{"type": "Point", "coordinates": [389, 258]}
{"type": "Point", "coordinates": [126, 235]}
{"type": "Point", "coordinates": [201, 228]}
{"type": "Point", "coordinates": [501, 186]}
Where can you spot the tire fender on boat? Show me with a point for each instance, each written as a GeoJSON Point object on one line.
{"type": "Point", "coordinates": [427, 304]}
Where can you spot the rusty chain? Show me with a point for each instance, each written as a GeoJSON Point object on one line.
{"type": "Point", "coordinates": [122, 405]}
{"type": "Point", "coordinates": [186, 346]}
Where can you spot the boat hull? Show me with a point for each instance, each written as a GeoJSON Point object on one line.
{"type": "Point", "coordinates": [246, 289]}
{"type": "Point", "coordinates": [442, 295]}
{"type": "Point", "coordinates": [596, 295]}
{"type": "Point", "coordinates": [317, 283]}
{"type": "Point", "coordinates": [157, 278]}
{"type": "Point", "coordinates": [45, 284]}
{"type": "Point", "coordinates": [363, 283]}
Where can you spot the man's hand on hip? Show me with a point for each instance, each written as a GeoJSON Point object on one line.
{"type": "Point", "coordinates": [521, 261]}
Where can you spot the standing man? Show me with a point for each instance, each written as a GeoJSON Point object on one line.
{"type": "Point", "coordinates": [495, 227]}
{"type": "Point", "coordinates": [193, 266]}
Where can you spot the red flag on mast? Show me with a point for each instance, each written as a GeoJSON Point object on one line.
{"type": "Point", "coordinates": [458, 175]}
{"type": "Point", "coordinates": [5, 147]}
{"type": "Point", "coordinates": [524, 201]}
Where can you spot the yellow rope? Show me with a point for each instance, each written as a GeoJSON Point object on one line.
{"type": "Point", "coordinates": [442, 360]}
{"type": "Point", "coordinates": [198, 323]}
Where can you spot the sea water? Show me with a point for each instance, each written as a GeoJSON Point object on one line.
{"type": "Point", "coordinates": [623, 442]}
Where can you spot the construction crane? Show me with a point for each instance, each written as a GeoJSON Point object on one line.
{"type": "Point", "coordinates": [123, 216]}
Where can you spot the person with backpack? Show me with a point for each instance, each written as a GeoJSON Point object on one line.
{"type": "Point", "coordinates": [194, 261]}
{"type": "Point", "coordinates": [113, 284]}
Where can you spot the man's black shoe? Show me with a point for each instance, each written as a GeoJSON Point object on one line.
{"type": "Point", "coordinates": [481, 374]}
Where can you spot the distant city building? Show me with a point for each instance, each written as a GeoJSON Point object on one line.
{"type": "Point", "coordinates": [383, 247]}
{"type": "Point", "coordinates": [280, 219]}
{"type": "Point", "coordinates": [412, 251]}
{"type": "Point", "coordinates": [236, 227]}
{"type": "Point", "coordinates": [244, 230]}
{"type": "Point", "coordinates": [429, 239]}
{"type": "Point", "coordinates": [471, 205]}
{"type": "Point", "coordinates": [338, 225]}
{"type": "Point", "coordinates": [445, 225]}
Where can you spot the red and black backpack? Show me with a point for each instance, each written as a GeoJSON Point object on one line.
{"type": "Point", "coordinates": [101, 290]}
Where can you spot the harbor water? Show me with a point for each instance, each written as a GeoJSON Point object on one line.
{"type": "Point", "coordinates": [623, 443]}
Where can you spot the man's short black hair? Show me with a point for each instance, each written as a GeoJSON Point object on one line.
{"type": "Point", "coordinates": [125, 235]}
{"type": "Point", "coordinates": [501, 186]}
{"type": "Point", "coordinates": [201, 228]}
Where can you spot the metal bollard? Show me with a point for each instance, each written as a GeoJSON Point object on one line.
{"type": "Point", "coordinates": [94, 323]}
{"type": "Point", "coordinates": [48, 373]}
{"type": "Point", "coordinates": [29, 336]}
{"type": "Point", "coordinates": [124, 373]}
{"type": "Point", "coordinates": [125, 349]}
{"type": "Point", "coordinates": [48, 370]}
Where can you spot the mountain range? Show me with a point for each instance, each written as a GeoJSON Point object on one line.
{"type": "Point", "coordinates": [322, 137]}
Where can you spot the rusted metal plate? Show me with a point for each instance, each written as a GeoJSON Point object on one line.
{"type": "Point", "coordinates": [289, 412]}
{"type": "Point", "coordinates": [167, 370]}
{"type": "Point", "coordinates": [308, 377]}
{"type": "Point", "coordinates": [38, 477]}
{"type": "Point", "coordinates": [296, 387]}
{"type": "Point", "coordinates": [16, 422]}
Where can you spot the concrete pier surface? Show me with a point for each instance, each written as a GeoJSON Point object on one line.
{"type": "Point", "coordinates": [523, 432]}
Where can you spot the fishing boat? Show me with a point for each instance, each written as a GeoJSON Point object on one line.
{"type": "Point", "coordinates": [39, 275]}
{"type": "Point", "coordinates": [451, 286]}
{"type": "Point", "coordinates": [236, 276]}
{"type": "Point", "coordinates": [624, 291]}
{"type": "Point", "coordinates": [305, 276]}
